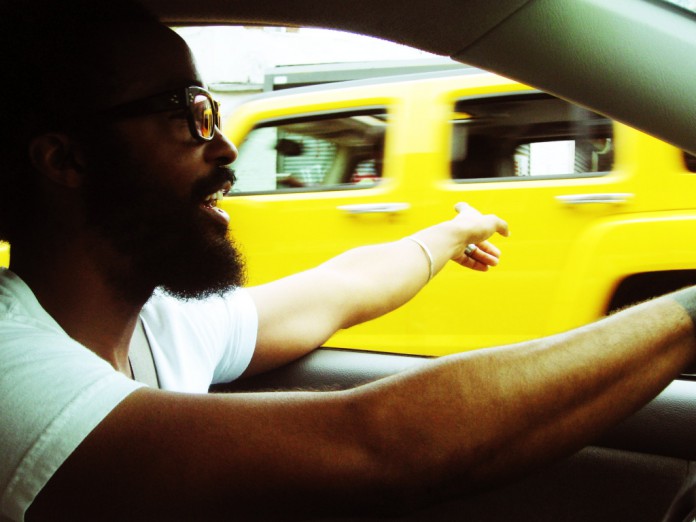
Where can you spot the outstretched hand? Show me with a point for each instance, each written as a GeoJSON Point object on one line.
{"type": "Point", "coordinates": [479, 254]}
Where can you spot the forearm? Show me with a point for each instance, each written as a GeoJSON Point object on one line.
{"type": "Point", "coordinates": [299, 312]}
{"type": "Point", "coordinates": [375, 280]}
{"type": "Point", "coordinates": [483, 416]}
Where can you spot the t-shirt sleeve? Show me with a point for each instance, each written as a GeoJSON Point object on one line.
{"type": "Point", "coordinates": [236, 356]}
{"type": "Point", "coordinates": [53, 393]}
{"type": "Point", "coordinates": [197, 343]}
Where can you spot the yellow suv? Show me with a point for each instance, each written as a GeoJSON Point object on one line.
{"type": "Point", "coordinates": [601, 215]}
{"type": "Point", "coordinates": [4, 254]}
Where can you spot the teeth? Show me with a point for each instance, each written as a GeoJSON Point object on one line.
{"type": "Point", "coordinates": [214, 197]}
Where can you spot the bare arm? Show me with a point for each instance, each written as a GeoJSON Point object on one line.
{"type": "Point", "coordinates": [456, 422]}
{"type": "Point", "coordinates": [300, 312]}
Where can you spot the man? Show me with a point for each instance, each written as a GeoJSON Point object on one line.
{"type": "Point", "coordinates": [111, 165]}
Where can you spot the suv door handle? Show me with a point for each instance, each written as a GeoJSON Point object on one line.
{"type": "Point", "coordinates": [374, 208]}
{"type": "Point", "coordinates": [585, 199]}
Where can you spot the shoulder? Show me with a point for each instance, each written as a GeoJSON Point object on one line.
{"type": "Point", "coordinates": [53, 392]}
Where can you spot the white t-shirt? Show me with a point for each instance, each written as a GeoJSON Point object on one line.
{"type": "Point", "coordinates": [54, 391]}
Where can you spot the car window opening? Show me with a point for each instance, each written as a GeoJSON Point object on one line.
{"type": "Point", "coordinates": [343, 151]}
{"type": "Point", "coordinates": [528, 137]}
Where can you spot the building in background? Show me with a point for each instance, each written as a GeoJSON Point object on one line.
{"type": "Point", "coordinates": [238, 62]}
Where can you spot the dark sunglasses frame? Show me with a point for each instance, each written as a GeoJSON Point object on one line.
{"type": "Point", "coordinates": [169, 101]}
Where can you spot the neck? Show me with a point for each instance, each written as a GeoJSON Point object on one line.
{"type": "Point", "coordinates": [77, 293]}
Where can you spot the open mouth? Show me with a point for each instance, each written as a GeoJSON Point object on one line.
{"type": "Point", "coordinates": [210, 202]}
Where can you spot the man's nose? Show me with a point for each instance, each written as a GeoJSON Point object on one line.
{"type": "Point", "coordinates": [221, 149]}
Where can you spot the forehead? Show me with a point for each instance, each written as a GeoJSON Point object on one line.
{"type": "Point", "coordinates": [149, 60]}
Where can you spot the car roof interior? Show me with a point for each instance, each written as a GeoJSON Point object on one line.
{"type": "Point", "coordinates": [543, 43]}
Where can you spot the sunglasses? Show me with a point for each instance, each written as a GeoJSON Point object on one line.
{"type": "Point", "coordinates": [202, 111]}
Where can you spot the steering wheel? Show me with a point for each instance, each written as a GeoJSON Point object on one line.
{"type": "Point", "coordinates": [683, 508]}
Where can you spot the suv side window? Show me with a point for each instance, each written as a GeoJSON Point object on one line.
{"type": "Point", "coordinates": [527, 137]}
{"type": "Point", "coordinates": [313, 153]}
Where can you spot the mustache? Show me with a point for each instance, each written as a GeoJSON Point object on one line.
{"type": "Point", "coordinates": [213, 182]}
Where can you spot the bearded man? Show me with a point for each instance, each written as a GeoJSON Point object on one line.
{"type": "Point", "coordinates": [112, 163]}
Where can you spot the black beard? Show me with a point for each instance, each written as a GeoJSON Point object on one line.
{"type": "Point", "coordinates": [160, 240]}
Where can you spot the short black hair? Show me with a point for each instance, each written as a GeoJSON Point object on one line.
{"type": "Point", "coordinates": [47, 49]}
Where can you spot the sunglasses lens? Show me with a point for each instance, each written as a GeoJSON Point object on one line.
{"type": "Point", "coordinates": [205, 116]}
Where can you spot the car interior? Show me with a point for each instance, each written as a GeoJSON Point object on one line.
{"type": "Point", "coordinates": [630, 60]}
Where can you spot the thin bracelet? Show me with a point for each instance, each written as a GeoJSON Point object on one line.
{"type": "Point", "coordinates": [427, 253]}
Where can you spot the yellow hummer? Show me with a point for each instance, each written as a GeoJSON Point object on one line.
{"type": "Point", "coordinates": [601, 215]}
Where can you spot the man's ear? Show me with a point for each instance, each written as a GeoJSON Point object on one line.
{"type": "Point", "coordinates": [58, 157]}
